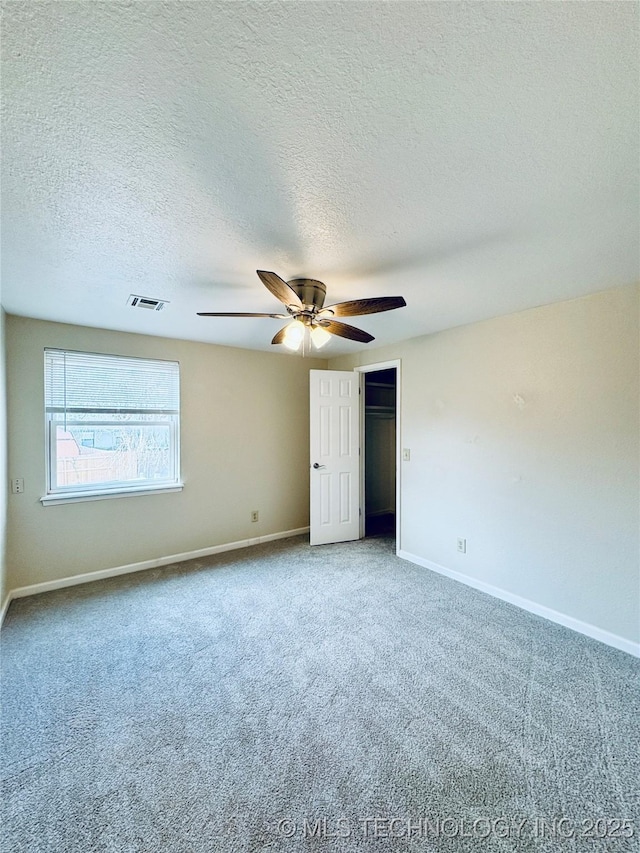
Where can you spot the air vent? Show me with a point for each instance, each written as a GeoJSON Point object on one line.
{"type": "Point", "coordinates": [146, 302]}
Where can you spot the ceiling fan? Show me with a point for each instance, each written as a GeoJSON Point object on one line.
{"type": "Point", "coordinates": [303, 299]}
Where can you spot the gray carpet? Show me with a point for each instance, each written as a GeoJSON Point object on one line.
{"type": "Point", "coordinates": [290, 698]}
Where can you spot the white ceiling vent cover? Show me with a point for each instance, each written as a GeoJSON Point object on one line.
{"type": "Point", "coordinates": [146, 302]}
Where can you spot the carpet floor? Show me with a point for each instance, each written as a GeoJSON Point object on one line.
{"type": "Point", "coordinates": [289, 698]}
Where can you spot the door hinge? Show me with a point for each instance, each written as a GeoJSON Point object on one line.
{"type": "Point", "coordinates": [359, 510]}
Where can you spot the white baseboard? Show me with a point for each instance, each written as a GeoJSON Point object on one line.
{"type": "Point", "coordinates": [592, 631]}
{"type": "Point", "coordinates": [5, 607]}
{"type": "Point", "coordinates": [74, 580]}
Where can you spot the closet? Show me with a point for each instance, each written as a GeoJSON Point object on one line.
{"type": "Point", "coordinates": [380, 452]}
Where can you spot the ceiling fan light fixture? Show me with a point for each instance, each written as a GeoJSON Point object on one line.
{"type": "Point", "coordinates": [319, 336]}
{"type": "Point", "coordinates": [294, 335]}
{"type": "Point", "coordinates": [312, 325]}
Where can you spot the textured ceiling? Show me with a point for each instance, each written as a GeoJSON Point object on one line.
{"type": "Point", "coordinates": [475, 158]}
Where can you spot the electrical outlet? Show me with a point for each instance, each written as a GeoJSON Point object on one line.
{"type": "Point", "coordinates": [255, 515]}
{"type": "Point", "coordinates": [462, 546]}
{"type": "Point", "coordinates": [17, 486]}
{"type": "Point", "coordinates": [406, 455]}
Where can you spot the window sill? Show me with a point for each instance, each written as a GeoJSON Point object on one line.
{"type": "Point", "coordinates": [78, 497]}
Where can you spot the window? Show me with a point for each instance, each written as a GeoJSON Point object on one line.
{"type": "Point", "coordinates": [112, 426]}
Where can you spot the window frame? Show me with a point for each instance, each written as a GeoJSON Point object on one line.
{"type": "Point", "coordinates": [121, 488]}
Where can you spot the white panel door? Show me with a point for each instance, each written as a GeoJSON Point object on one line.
{"type": "Point", "coordinates": [335, 456]}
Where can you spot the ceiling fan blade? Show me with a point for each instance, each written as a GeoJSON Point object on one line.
{"type": "Point", "coordinates": [345, 331]}
{"type": "Point", "coordinates": [365, 306]}
{"type": "Point", "coordinates": [278, 338]}
{"type": "Point", "coordinates": [279, 288]}
{"type": "Point", "coordinates": [236, 314]}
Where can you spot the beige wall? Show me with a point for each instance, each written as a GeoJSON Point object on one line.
{"type": "Point", "coordinates": [244, 437]}
{"type": "Point", "coordinates": [4, 475]}
{"type": "Point", "coordinates": [524, 433]}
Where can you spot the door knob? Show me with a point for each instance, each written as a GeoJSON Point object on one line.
{"type": "Point", "coordinates": [316, 465]}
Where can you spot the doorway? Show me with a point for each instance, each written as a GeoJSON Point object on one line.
{"type": "Point", "coordinates": [354, 427]}
{"type": "Point", "coordinates": [380, 451]}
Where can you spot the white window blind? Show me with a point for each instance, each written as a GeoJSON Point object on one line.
{"type": "Point", "coordinates": [112, 423]}
{"type": "Point", "coordinates": [88, 382]}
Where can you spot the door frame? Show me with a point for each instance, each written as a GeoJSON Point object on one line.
{"type": "Point", "coordinates": [371, 368]}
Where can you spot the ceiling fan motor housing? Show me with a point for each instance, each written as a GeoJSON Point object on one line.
{"type": "Point", "coordinates": [309, 291]}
